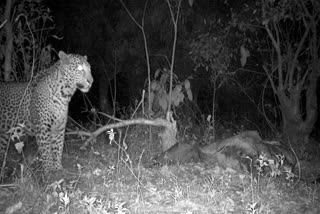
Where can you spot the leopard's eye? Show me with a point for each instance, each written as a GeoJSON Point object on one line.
{"type": "Point", "coordinates": [80, 67]}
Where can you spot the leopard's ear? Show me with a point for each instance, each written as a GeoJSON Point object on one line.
{"type": "Point", "coordinates": [85, 57]}
{"type": "Point", "coordinates": [63, 57]}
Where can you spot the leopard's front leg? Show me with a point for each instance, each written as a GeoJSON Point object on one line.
{"type": "Point", "coordinates": [57, 150]}
{"type": "Point", "coordinates": [50, 145]}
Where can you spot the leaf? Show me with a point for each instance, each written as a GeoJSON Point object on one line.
{"type": "Point", "coordinates": [189, 93]}
{"type": "Point", "coordinates": [154, 85]}
{"type": "Point", "coordinates": [188, 89]}
{"type": "Point", "coordinates": [177, 95]}
{"type": "Point", "coordinates": [209, 118]}
{"type": "Point", "coordinates": [163, 103]}
{"type": "Point", "coordinates": [190, 3]}
{"type": "Point", "coordinates": [152, 95]}
{"type": "Point", "coordinates": [156, 74]}
{"type": "Point", "coordinates": [244, 55]}
{"type": "Point", "coordinates": [176, 100]}
{"type": "Point", "coordinates": [164, 78]}
{"type": "Point", "coordinates": [187, 84]}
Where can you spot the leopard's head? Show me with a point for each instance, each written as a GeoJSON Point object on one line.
{"type": "Point", "coordinates": [77, 71]}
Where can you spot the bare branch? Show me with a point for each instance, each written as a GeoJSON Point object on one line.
{"type": "Point", "coordinates": [162, 55]}
{"type": "Point", "coordinates": [276, 45]}
{"type": "Point", "coordinates": [3, 23]}
{"type": "Point", "coordinates": [288, 79]}
{"type": "Point", "coordinates": [145, 47]}
{"type": "Point", "coordinates": [133, 19]}
{"type": "Point", "coordinates": [144, 13]}
{"type": "Point", "coordinates": [303, 79]}
{"type": "Point", "coordinates": [270, 78]}
{"type": "Point", "coordinates": [280, 70]}
{"type": "Point", "coordinates": [305, 9]}
{"type": "Point", "coordinates": [294, 61]}
{"type": "Point", "coordinates": [175, 24]}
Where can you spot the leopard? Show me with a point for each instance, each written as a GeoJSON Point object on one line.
{"type": "Point", "coordinates": [41, 105]}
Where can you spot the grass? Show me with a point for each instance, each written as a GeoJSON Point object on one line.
{"type": "Point", "coordinates": [107, 180]}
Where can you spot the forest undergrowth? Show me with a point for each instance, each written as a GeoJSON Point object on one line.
{"type": "Point", "coordinates": [124, 179]}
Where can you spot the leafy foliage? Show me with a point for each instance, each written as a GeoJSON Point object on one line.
{"type": "Point", "coordinates": [210, 52]}
{"type": "Point", "coordinates": [32, 25]}
{"type": "Point", "coordinates": [160, 91]}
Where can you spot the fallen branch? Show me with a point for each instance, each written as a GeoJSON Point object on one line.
{"type": "Point", "coordinates": [170, 127]}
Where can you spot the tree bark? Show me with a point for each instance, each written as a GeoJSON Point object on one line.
{"type": "Point", "coordinates": [296, 127]}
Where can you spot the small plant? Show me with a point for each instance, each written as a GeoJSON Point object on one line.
{"type": "Point", "coordinates": [276, 167]}
{"type": "Point", "coordinates": [17, 132]}
{"type": "Point", "coordinates": [261, 163]}
{"type": "Point", "coordinates": [252, 208]}
{"type": "Point", "coordinates": [160, 95]}
{"type": "Point", "coordinates": [289, 175]}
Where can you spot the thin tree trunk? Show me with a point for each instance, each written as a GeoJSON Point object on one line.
{"type": "Point", "coordinates": [9, 41]}
{"type": "Point", "coordinates": [213, 105]}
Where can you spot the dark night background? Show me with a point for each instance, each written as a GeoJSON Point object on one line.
{"type": "Point", "coordinates": [100, 29]}
{"type": "Point", "coordinates": [103, 30]}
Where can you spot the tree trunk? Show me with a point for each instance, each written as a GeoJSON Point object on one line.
{"type": "Point", "coordinates": [297, 122]}
{"type": "Point", "coordinates": [9, 41]}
